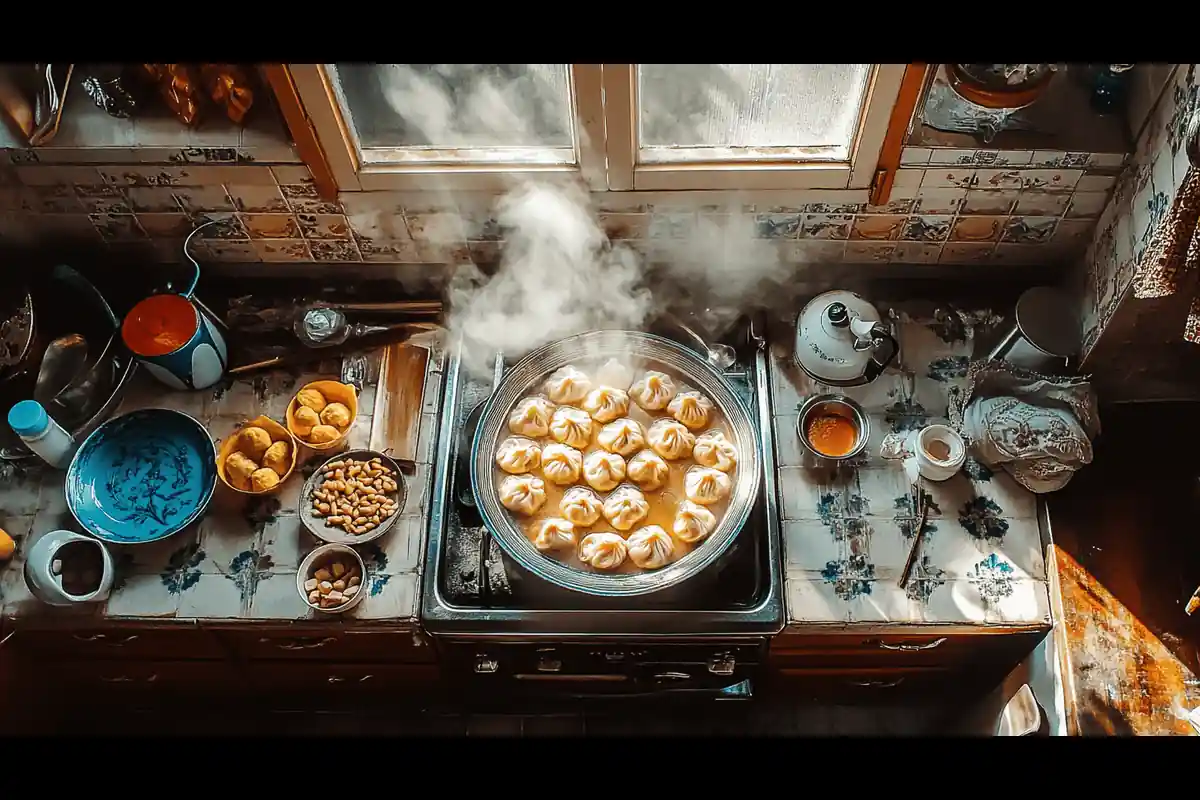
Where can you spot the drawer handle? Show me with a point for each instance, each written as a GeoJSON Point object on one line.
{"type": "Point", "coordinates": [100, 637]}
{"type": "Point", "coordinates": [878, 684]}
{"type": "Point", "coordinates": [336, 679]}
{"type": "Point", "coordinates": [913, 648]}
{"type": "Point", "coordinates": [127, 679]}
{"type": "Point", "coordinates": [305, 644]}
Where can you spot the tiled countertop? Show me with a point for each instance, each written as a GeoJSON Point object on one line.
{"type": "Point", "coordinates": [239, 563]}
{"type": "Point", "coordinates": [847, 535]}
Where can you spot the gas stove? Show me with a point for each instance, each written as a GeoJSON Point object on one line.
{"type": "Point", "coordinates": [492, 620]}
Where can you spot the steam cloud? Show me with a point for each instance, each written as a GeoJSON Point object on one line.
{"type": "Point", "coordinates": [559, 274]}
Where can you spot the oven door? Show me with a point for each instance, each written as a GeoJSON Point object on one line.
{"type": "Point", "coordinates": [720, 671]}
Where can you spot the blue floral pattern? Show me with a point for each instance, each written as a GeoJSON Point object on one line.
{"type": "Point", "coordinates": [925, 578]}
{"type": "Point", "coordinates": [906, 415]}
{"type": "Point", "coordinates": [246, 570]}
{"type": "Point", "coordinates": [376, 561]}
{"type": "Point", "coordinates": [993, 577]}
{"type": "Point", "coordinates": [976, 470]}
{"type": "Point", "coordinates": [850, 577]}
{"type": "Point", "coordinates": [983, 519]}
{"type": "Point", "coordinates": [183, 568]}
{"type": "Point", "coordinates": [948, 368]}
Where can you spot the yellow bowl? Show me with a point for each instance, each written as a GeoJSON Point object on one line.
{"type": "Point", "coordinates": [333, 392]}
{"type": "Point", "coordinates": [278, 433]}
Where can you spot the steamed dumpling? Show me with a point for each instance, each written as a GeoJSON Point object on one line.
{"type": "Point", "coordinates": [278, 457]}
{"type": "Point", "coordinates": [517, 455]}
{"type": "Point", "coordinates": [603, 470]}
{"type": "Point", "coordinates": [304, 420]}
{"type": "Point", "coordinates": [603, 550]}
{"type": "Point", "coordinates": [626, 507]}
{"type": "Point", "coordinates": [523, 494]}
{"type": "Point", "coordinates": [571, 426]}
{"type": "Point", "coordinates": [653, 391]}
{"type": "Point", "coordinates": [714, 450]}
{"type": "Point", "coordinates": [580, 506]}
{"type": "Point", "coordinates": [651, 547]}
{"type": "Point", "coordinates": [531, 417]}
{"type": "Point", "coordinates": [706, 486]}
{"type": "Point", "coordinates": [670, 439]}
{"type": "Point", "coordinates": [622, 437]}
{"type": "Point", "coordinates": [693, 522]}
{"type": "Point", "coordinates": [614, 373]}
{"type": "Point", "coordinates": [555, 534]}
{"type": "Point", "coordinates": [606, 403]}
{"type": "Point", "coordinates": [691, 408]}
{"type": "Point", "coordinates": [648, 470]}
{"type": "Point", "coordinates": [253, 441]}
{"type": "Point", "coordinates": [568, 385]}
{"type": "Point", "coordinates": [561, 464]}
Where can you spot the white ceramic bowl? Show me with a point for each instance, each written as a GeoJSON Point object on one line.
{"type": "Point", "coordinates": [323, 554]}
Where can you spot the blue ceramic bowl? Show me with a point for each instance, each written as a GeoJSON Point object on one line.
{"type": "Point", "coordinates": [142, 476]}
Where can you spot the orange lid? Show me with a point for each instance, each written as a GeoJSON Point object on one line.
{"type": "Point", "coordinates": [159, 325]}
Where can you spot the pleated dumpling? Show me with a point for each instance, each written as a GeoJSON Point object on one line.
{"type": "Point", "coordinates": [523, 494]}
{"type": "Point", "coordinates": [572, 427]}
{"type": "Point", "coordinates": [623, 437]}
{"type": "Point", "coordinates": [603, 550]}
{"type": "Point", "coordinates": [603, 471]}
{"type": "Point", "coordinates": [606, 403]}
{"type": "Point", "coordinates": [626, 507]}
{"type": "Point", "coordinates": [693, 522]}
{"type": "Point", "coordinates": [531, 417]}
{"type": "Point", "coordinates": [691, 408]}
{"type": "Point", "coordinates": [554, 534]}
{"type": "Point", "coordinates": [568, 385]}
{"type": "Point", "coordinates": [580, 506]}
{"type": "Point", "coordinates": [670, 439]}
{"type": "Point", "coordinates": [650, 547]}
{"type": "Point", "coordinates": [561, 464]}
{"type": "Point", "coordinates": [705, 485]}
{"type": "Point", "coordinates": [614, 372]}
{"type": "Point", "coordinates": [518, 455]}
{"type": "Point", "coordinates": [648, 470]}
{"type": "Point", "coordinates": [653, 391]}
{"type": "Point", "coordinates": [714, 450]}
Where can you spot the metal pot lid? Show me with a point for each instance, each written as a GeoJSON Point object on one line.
{"type": "Point", "coordinates": [1047, 319]}
{"type": "Point", "coordinates": [827, 348]}
{"type": "Point", "coordinates": [522, 380]}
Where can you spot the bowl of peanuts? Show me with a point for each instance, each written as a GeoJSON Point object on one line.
{"type": "Point", "coordinates": [330, 578]}
{"type": "Point", "coordinates": [352, 498]}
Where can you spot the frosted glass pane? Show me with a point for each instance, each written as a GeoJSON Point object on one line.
{"type": "Point", "coordinates": [811, 106]}
{"type": "Point", "coordinates": [456, 106]}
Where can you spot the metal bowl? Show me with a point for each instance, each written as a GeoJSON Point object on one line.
{"type": "Point", "coordinates": [316, 525]}
{"type": "Point", "coordinates": [528, 374]}
{"type": "Point", "coordinates": [820, 404]}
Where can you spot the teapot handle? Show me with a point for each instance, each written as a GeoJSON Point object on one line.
{"type": "Point", "coordinates": [881, 338]}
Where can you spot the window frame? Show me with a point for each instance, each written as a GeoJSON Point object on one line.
{"type": "Point", "coordinates": [604, 103]}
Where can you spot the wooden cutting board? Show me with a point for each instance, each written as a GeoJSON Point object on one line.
{"type": "Point", "coordinates": [398, 401]}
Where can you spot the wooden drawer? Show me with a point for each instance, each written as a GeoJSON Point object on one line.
{"type": "Point", "coordinates": [110, 678]}
{"type": "Point", "coordinates": [120, 644]}
{"type": "Point", "coordinates": [336, 645]}
{"type": "Point", "coordinates": [861, 684]}
{"type": "Point", "coordinates": [339, 681]}
{"type": "Point", "coordinates": [898, 650]}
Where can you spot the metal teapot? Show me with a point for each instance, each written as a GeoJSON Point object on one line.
{"type": "Point", "coordinates": [841, 340]}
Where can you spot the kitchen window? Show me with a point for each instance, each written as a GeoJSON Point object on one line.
{"type": "Point", "coordinates": [619, 127]}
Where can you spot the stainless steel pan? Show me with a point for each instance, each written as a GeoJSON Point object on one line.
{"type": "Point", "coordinates": [526, 378]}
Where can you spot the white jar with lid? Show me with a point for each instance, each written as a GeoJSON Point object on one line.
{"type": "Point", "coordinates": [41, 434]}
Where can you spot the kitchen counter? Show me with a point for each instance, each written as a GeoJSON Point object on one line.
{"type": "Point", "coordinates": [238, 565]}
{"type": "Point", "coordinates": [847, 535]}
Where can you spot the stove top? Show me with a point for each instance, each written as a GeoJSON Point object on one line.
{"type": "Point", "coordinates": [472, 588]}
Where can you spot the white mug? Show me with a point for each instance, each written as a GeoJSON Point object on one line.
{"type": "Point", "coordinates": [939, 451]}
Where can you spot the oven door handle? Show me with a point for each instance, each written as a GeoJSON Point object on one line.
{"type": "Point", "coordinates": [742, 690]}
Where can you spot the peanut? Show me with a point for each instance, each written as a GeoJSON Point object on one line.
{"type": "Point", "coordinates": [355, 495]}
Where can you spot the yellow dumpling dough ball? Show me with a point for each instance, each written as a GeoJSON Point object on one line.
{"type": "Point", "coordinates": [304, 420]}
{"type": "Point", "coordinates": [311, 398]}
{"type": "Point", "coordinates": [323, 434]}
{"type": "Point", "coordinates": [337, 415]}
{"type": "Point", "coordinates": [253, 441]}
{"type": "Point", "coordinates": [263, 479]}
{"type": "Point", "coordinates": [278, 457]}
{"type": "Point", "coordinates": [238, 470]}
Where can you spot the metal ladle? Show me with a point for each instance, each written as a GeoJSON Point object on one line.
{"type": "Point", "coordinates": [64, 359]}
{"type": "Point", "coordinates": [326, 327]}
{"type": "Point", "coordinates": [721, 356]}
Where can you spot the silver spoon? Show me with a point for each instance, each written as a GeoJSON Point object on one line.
{"type": "Point", "coordinates": [326, 327]}
{"type": "Point", "coordinates": [721, 356]}
{"type": "Point", "coordinates": [64, 359]}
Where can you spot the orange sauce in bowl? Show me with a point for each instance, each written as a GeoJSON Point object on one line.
{"type": "Point", "coordinates": [832, 434]}
{"type": "Point", "coordinates": [159, 325]}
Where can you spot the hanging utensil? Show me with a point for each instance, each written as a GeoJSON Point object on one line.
{"type": "Point", "coordinates": [64, 360]}
{"type": "Point", "coordinates": [49, 108]}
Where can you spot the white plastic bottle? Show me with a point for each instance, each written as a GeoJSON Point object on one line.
{"type": "Point", "coordinates": [43, 435]}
